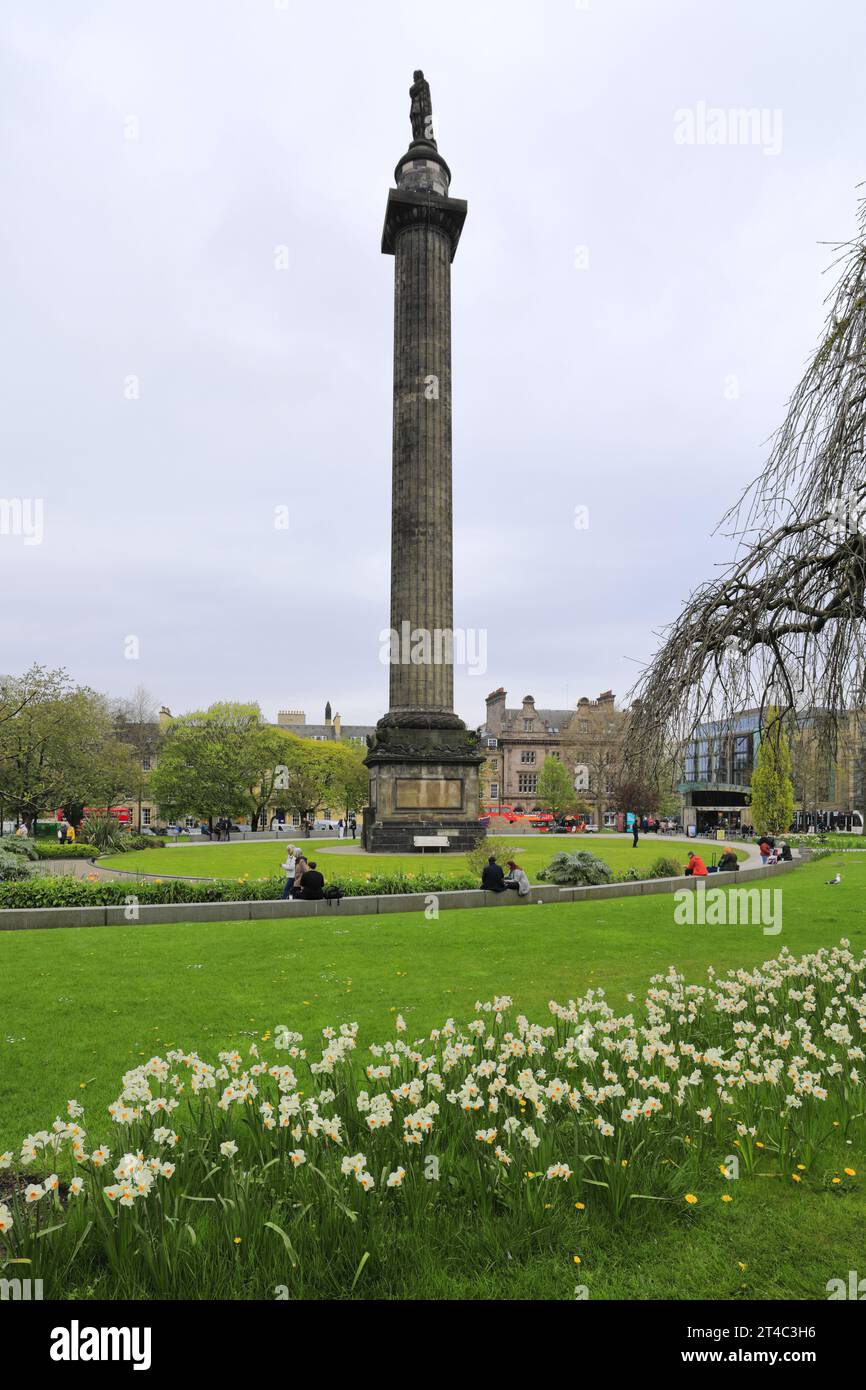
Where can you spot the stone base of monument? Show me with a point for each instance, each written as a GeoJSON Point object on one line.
{"type": "Point", "coordinates": [423, 781]}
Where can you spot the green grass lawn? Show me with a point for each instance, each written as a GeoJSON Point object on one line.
{"type": "Point", "coordinates": [80, 1006]}
{"type": "Point", "coordinates": [258, 860]}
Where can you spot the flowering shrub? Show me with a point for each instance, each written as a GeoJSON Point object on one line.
{"type": "Point", "coordinates": [297, 1164]}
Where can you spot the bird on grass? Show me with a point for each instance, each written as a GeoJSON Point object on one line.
{"type": "Point", "coordinates": [837, 879]}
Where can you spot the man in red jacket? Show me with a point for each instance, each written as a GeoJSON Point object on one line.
{"type": "Point", "coordinates": [696, 866]}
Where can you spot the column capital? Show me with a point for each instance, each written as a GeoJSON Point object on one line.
{"type": "Point", "coordinates": [407, 209]}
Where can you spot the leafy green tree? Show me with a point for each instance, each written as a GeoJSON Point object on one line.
{"type": "Point", "coordinates": [209, 762]}
{"type": "Point", "coordinates": [772, 787]}
{"type": "Point", "coordinates": [272, 749]}
{"type": "Point", "coordinates": [57, 747]}
{"type": "Point", "coordinates": [137, 724]}
{"type": "Point", "coordinates": [308, 775]}
{"type": "Point", "coordinates": [553, 789]}
{"type": "Point", "coordinates": [349, 778]}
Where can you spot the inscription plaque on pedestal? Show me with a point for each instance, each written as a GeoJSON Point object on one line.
{"type": "Point", "coordinates": [429, 793]}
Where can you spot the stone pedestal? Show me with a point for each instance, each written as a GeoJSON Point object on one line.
{"type": "Point", "coordinates": [423, 781]}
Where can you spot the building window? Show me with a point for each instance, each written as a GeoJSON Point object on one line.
{"type": "Point", "coordinates": [526, 781]}
{"type": "Point", "coordinates": [583, 726]}
{"type": "Point", "coordinates": [145, 763]}
{"type": "Point", "coordinates": [494, 791]}
{"type": "Point", "coordinates": [145, 815]}
{"type": "Point", "coordinates": [527, 756]}
{"type": "Point", "coordinates": [491, 742]}
{"type": "Point", "coordinates": [527, 725]}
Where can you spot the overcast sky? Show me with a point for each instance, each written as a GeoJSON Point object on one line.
{"type": "Point", "coordinates": [631, 307]}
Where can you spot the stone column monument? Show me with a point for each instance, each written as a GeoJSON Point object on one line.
{"type": "Point", "coordinates": [424, 763]}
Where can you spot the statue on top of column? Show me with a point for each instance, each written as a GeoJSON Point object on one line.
{"type": "Point", "coordinates": [421, 110]}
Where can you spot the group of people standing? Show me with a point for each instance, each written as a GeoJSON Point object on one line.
{"type": "Point", "coordinates": [303, 879]}
{"type": "Point", "coordinates": [344, 826]}
{"type": "Point", "coordinates": [65, 832]}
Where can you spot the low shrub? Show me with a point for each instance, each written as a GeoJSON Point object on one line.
{"type": "Point", "coordinates": [52, 849]}
{"type": "Point", "coordinates": [664, 867]}
{"type": "Point", "coordinates": [13, 867]}
{"type": "Point", "coordinates": [11, 844]}
{"type": "Point", "coordinates": [478, 857]}
{"type": "Point", "coordinates": [582, 869]}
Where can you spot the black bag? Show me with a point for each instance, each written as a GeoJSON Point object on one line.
{"type": "Point", "coordinates": [333, 895]}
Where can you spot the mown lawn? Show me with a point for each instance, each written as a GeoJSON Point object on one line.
{"type": "Point", "coordinates": [81, 1006]}
{"type": "Point", "coordinates": [259, 860]}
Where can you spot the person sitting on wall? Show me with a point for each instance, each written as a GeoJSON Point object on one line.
{"type": "Point", "coordinates": [517, 879]}
{"type": "Point", "coordinates": [493, 876]}
{"type": "Point", "coordinates": [312, 883]}
{"type": "Point", "coordinates": [728, 860]}
{"type": "Point", "coordinates": [290, 864]}
{"type": "Point", "coordinates": [786, 855]}
{"type": "Point", "coordinates": [696, 868]}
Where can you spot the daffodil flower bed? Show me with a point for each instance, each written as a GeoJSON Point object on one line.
{"type": "Point", "coordinates": [299, 1163]}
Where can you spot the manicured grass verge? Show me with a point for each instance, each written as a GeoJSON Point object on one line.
{"type": "Point", "coordinates": [534, 852]}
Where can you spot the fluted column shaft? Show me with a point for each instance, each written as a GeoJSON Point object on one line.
{"type": "Point", "coordinates": [421, 521]}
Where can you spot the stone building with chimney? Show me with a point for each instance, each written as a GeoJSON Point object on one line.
{"type": "Point", "coordinates": [333, 729]}
{"type": "Point", "coordinates": [516, 741]}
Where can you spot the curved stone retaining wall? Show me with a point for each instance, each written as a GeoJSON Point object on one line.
{"type": "Point", "coordinates": [30, 918]}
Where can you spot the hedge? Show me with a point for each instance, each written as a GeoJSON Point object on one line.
{"type": "Point", "coordinates": [52, 849]}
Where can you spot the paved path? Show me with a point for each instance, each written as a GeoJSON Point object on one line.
{"type": "Point", "coordinates": [82, 868]}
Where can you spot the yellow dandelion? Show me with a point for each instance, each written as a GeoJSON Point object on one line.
{"type": "Point", "coordinates": [726, 1197]}
{"type": "Point", "coordinates": [237, 1240]}
{"type": "Point", "coordinates": [795, 1177]}
{"type": "Point", "coordinates": [691, 1198]}
{"type": "Point", "coordinates": [850, 1172]}
{"type": "Point", "coordinates": [576, 1259]}
{"type": "Point", "coordinates": [579, 1206]}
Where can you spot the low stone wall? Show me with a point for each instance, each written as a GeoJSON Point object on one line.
{"type": "Point", "coordinates": [34, 918]}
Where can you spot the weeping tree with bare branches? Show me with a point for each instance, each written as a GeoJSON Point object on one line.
{"type": "Point", "coordinates": [784, 624]}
